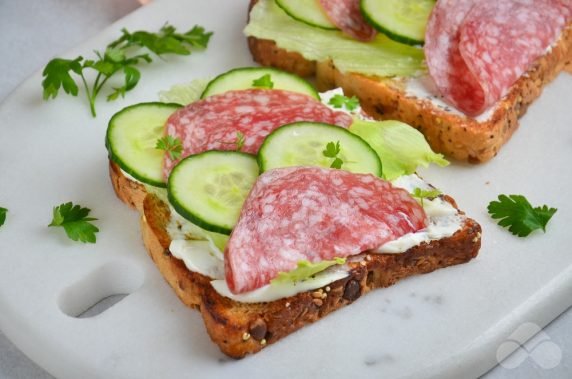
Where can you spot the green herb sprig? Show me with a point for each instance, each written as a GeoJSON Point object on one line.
{"type": "Point", "coordinates": [239, 141]}
{"type": "Point", "coordinates": [172, 146]}
{"type": "Point", "coordinates": [332, 150]}
{"type": "Point", "coordinates": [265, 81]}
{"type": "Point", "coordinates": [341, 101]}
{"type": "Point", "coordinates": [75, 221]}
{"type": "Point", "coordinates": [120, 56]}
{"type": "Point", "coordinates": [517, 214]}
{"type": "Point", "coordinates": [424, 194]}
{"type": "Point", "coordinates": [3, 212]}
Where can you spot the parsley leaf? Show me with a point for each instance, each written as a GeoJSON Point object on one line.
{"type": "Point", "coordinates": [57, 74]}
{"type": "Point", "coordinates": [74, 220]}
{"type": "Point", "coordinates": [119, 56]}
{"type": "Point", "coordinates": [337, 163]}
{"type": "Point", "coordinates": [239, 141]}
{"type": "Point", "coordinates": [332, 150]}
{"type": "Point", "coordinates": [173, 146]}
{"type": "Point", "coordinates": [423, 194]}
{"type": "Point", "coordinates": [3, 212]}
{"type": "Point", "coordinates": [517, 214]}
{"type": "Point", "coordinates": [166, 41]}
{"type": "Point", "coordinates": [341, 101]}
{"type": "Point", "coordinates": [265, 81]}
{"type": "Point", "coordinates": [132, 76]}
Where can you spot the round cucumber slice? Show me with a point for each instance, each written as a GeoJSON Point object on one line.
{"type": "Point", "coordinates": [306, 144]}
{"type": "Point", "coordinates": [307, 11]}
{"type": "Point", "coordinates": [401, 20]}
{"type": "Point", "coordinates": [131, 138]}
{"type": "Point", "coordinates": [209, 188]}
{"type": "Point", "coordinates": [243, 78]}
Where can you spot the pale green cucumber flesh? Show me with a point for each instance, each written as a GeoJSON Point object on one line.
{"type": "Point", "coordinates": [210, 188]}
{"type": "Point", "coordinates": [131, 138]}
{"type": "Point", "coordinates": [401, 20]}
{"type": "Point", "coordinates": [242, 78]}
{"type": "Point", "coordinates": [303, 143]}
{"type": "Point", "coordinates": [307, 11]}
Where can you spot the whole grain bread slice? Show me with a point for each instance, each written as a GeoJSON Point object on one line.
{"type": "Point", "coordinates": [458, 136]}
{"type": "Point", "coordinates": [245, 328]}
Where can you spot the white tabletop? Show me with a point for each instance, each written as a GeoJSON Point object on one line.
{"type": "Point", "coordinates": [33, 31]}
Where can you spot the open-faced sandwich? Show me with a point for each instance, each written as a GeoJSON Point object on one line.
{"type": "Point", "coordinates": [266, 205]}
{"type": "Point", "coordinates": [460, 71]}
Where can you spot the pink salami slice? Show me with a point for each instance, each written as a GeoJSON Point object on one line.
{"type": "Point", "coordinates": [476, 50]}
{"type": "Point", "coordinates": [217, 122]}
{"type": "Point", "coordinates": [346, 15]}
{"type": "Point", "coordinates": [310, 213]}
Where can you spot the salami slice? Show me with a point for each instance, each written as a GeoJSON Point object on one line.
{"type": "Point", "coordinates": [245, 117]}
{"type": "Point", "coordinates": [346, 15]}
{"type": "Point", "coordinates": [310, 213]}
{"type": "Point", "coordinates": [476, 50]}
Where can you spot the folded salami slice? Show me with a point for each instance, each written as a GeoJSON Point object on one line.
{"type": "Point", "coordinates": [245, 117]}
{"type": "Point", "coordinates": [477, 49]}
{"type": "Point", "coordinates": [310, 213]}
{"type": "Point", "coordinates": [346, 15]}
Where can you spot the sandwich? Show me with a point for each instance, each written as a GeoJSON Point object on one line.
{"type": "Point", "coordinates": [267, 205]}
{"type": "Point", "coordinates": [462, 72]}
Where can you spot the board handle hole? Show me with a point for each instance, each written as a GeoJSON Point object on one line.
{"type": "Point", "coordinates": [100, 290]}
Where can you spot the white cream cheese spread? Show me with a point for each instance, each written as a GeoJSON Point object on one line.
{"type": "Point", "coordinates": [202, 256]}
{"type": "Point", "coordinates": [424, 88]}
{"type": "Point", "coordinates": [271, 292]}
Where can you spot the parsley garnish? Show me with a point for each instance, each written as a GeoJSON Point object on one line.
{"type": "Point", "coordinates": [239, 141]}
{"type": "Point", "coordinates": [516, 213]}
{"type": "Point", "coordinates": [340, 101]}
{"type": "Point", "coordinates": [332, 151]}
{"type": "Point", "coordinates": [120, 55]}
{"type": "Point", "coordinates": [3, 212]}
{"type": "Point", "coordinates": [173, 146]}
{"type": "Point", "coordinates": [74, 220]}
{"type": "Point", "coordinates": [423, 194]}
{"type": "Point", "coordinates": [264, 81]}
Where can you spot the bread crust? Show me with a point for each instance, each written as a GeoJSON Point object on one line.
{"type": "Point", "coordinates": [459, 137]}
{"type": "Point", "coordinates": [239, 328]}
{"type": "Point", "coordinates": [130, 192]}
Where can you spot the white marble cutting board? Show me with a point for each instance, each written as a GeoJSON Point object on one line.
{"type": "Point", "coordinates": [446, 324]}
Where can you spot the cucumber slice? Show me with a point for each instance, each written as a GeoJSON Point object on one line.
{"type": "Point", "coordinates": [242, 78]}
{"type": "Point", "coordinates": [131, 137]}
{"type": "Point", "coordinates": [307, 11]}
{"type": "Point", "coordinates": [401, 20]}
{"type": "Point", "coordinates": [209, 188]}
{"type": "Point", "coordinates": [303, 144]}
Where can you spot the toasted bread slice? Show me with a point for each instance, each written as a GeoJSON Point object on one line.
{"type": "Point", "coordinates": [240, 328]}
{"type": "Point", "coordinates": [129, 191]}
{"type": "Point", "coordinates": [451, 133]}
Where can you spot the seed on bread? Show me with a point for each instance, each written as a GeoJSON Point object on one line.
{"type": "Point", "coordinates": [318, 302]}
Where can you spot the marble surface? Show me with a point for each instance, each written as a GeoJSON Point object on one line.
{"type": "Point", "coordinates": [34, 31]}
